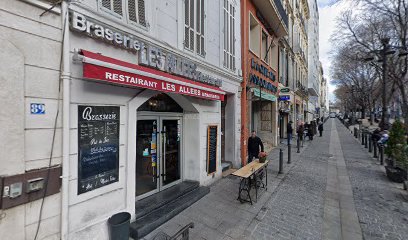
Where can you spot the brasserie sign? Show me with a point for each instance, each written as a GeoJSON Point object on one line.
{"type": "Point", "coordinates": [148, 55]}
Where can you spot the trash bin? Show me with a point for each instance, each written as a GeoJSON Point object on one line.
{"type": "Point", "coordinates": [119, 226]}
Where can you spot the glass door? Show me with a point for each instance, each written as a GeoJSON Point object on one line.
{"type": "Point", "coordinates": [170, 151]}
{"type": "Point", "coordinates": [158, 154]}
{"type": "Point", "coordinates": [146, 157]}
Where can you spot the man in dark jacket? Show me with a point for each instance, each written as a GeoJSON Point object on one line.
{"type": "Point", "coordinates": [289, 131]}
{"type": "Point", "coordinates": [253, 146]}
{"type": "Point", "coordinates": [320, 128]}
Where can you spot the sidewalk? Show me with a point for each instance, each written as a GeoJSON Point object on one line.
{"type": "Point", "coordinates": [219, 215]}
{"type": "Point", "coordinates": [381, 205]}
{"type": "Point", "coordinates": [332, 190]}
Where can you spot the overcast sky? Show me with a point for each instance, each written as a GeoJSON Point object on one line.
{"type": "Point", "coordinates": [328, 12]}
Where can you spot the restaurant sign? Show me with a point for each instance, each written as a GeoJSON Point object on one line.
{"type": "Point", "coordinates": [148, 55]}
{"type": "Point", "coordinates": [133, 75]}
{"type": "Point", "coordinates": [264, 71]}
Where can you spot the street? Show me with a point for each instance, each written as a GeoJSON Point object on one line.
{"type": "Point", "coordinates": [333, 189]}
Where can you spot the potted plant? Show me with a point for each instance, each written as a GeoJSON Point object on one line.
{"type": "Point", "coordinates": [262, 157]}
{"type": "Point", "coordinates": [396, 150]}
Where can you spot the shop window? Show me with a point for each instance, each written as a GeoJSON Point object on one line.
{"type": "Point", "coordinates": [114, 7]}
{"type": "Point", "coordinates": [194, 26]}
{"type": "Point", "coordinates": [254, 35]}
{"type": "Point", "coordinates": [264, 47]}
{"type": "Point", "coordinates": [161, 103]}
{"type": "Point", "coordinates": [137, 12]}
{"type": "Point", "coordinates": [229, 35]}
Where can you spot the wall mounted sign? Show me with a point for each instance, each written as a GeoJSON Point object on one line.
{"type": "Point", "coordinates": [284, 98]}
{"type": "Point", "coordinates": [212, 141]}
{"type": "Point", "coordinates": [285, 90]}
{"type": "Point", "coordinates": [264, 71]}
{"type": "Point", "coordinates": [37, 108]}
{"type": "Point", "coordinates": [138, 76]}
{"type": "Point", "coordinates": [98, 147]}
{"type": "Point", "coordinates": [263, 95]}
{"type": "Point", "coordinates": [148, 55]}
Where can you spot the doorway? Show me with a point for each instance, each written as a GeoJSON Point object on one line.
{"type": "Point", "coordinates": [158, 154]}
{"type": "Point", "coordinates": [158, 146]}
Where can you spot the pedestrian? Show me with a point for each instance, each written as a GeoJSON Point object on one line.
{"type": "Point", "coordinates": [376, 136]}
{"type": "Point", "coordinates": [320, 128]}
{"type": "Point", "coordinates": [311, 130]}
{"type": "Point", "coordinates": [254, 142]}
{"type": "Point", "coordinates": [300, 131]}
{"type": "Point", "coordinates": [289, 131]}
{"type": "Point", "coordinates": [306, 132]}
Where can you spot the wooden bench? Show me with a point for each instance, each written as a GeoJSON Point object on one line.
{"type": "Point", "coordinates": [252, 175]}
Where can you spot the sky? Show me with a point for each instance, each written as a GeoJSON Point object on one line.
{"type": "Point", "coordinates": [328, 12]}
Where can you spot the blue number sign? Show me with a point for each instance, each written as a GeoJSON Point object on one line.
{"type": "Point", "coordinates": [37, 108]}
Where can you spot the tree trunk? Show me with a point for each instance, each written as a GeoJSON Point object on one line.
{"type": "Point", "coordinates": [404, 106]}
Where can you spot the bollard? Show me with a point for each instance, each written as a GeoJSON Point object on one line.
{"type": "Point", "coordinates": [381, 154]}
{"type": "Point", "coordinates": [370, 143]}
{"type": "Point", "coordinates": [375, 150]}
{"type": "Point", "coordinates": [366, 140]}
{"type": "Point", "coordinates": [298, 145]}
{"type": "Point", "coordinates": [355, 132]}
{"type": "Point", "coordinates": [362, 137]}
{"type": "Point", "coordinates": [289, 154]}
{"type": "Point", "coordinates": [280, 161]}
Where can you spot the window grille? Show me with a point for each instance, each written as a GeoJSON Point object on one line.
{"type": "Point", "coordinates": [114, 6]}
{"type": "Point", "coordinates": [229, 35]}
{"type": "Point", "coordinates": [194, 26]}
{"type": "Point", "coordinates": [137, 11]}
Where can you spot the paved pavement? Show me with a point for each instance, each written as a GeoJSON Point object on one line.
{"type": "Point", "coordinates": [332, 190]}
{"type": "Point", "coordinates": [382, 206]}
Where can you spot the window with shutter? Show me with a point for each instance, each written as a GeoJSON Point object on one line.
{"type": "Point", "coordinates": [194, 15]}
{"type": "Point", "coordinates": [113, 6]}
{"type": "Point", "coordinates": [229, 35]}
{"type": "Point", "coordinates": [136, 12]}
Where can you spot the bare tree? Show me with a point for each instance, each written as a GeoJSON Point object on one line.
{"type": "Point", "coordinates": [363, 28]}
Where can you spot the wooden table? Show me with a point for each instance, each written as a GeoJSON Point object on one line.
{"type": "Point", "coordinates": [249, 175]}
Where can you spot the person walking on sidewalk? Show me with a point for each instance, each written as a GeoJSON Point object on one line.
{"type": "Point", "coordinates": [320, 128]}
{"type": "Point", "coordinates": [289, 131]}
{"type": "Point", "coordinates": [254, 142]}
{"type": "Point", "coordinates": [300, 131]}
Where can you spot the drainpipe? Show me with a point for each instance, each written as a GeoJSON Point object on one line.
{"type": "Point", "coordinates": [65, 76]}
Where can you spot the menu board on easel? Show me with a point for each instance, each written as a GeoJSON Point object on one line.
{"type": "Point", "coordinates": [212, 140]}
{"type": "Point", "coordinates": [98, 147]}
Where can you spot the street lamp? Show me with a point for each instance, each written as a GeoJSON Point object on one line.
{"type": "Point", "coordinates": [384, 42]}
{"type": "Point", "coordinates": [386, 50]}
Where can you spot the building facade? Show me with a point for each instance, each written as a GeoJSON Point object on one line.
{"type": "Point", "coordinates": [323, 97]}
{"type": "Point", "coordinates": [263, 24]}
{"type": "Point", "coordinates": [313, 62]}
{"type": "Point", "coordinates": [31, 136]}
{"type": "Point", "coordinates": [293, 66]}
{"type": "Point", "coordinates": [128, 97]}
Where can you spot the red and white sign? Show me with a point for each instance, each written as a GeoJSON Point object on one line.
{"type": "Point", "coordinates": [98, 67]}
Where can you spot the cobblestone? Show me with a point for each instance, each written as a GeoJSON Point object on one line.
{"type": "Point", "coordinates": [296, 202]}
{"type": "Point", "coordinates": [295, 210]}
{"type": "Point", "coordinates": [381, 208]}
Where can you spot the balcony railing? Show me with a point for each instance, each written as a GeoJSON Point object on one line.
{"type": "Point", "coordinates": [281, 11]}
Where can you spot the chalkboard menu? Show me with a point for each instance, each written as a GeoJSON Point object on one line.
{"type": "Point", "coordinates": [98, 147]}
{"type": "Point", "coordinates": [212, 139]}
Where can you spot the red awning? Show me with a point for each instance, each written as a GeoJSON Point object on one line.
{"type": "Point", "coordinates": [101, 68]}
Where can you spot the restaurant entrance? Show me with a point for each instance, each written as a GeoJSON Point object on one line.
{"type": "Point", "coordinates": [158, 146]}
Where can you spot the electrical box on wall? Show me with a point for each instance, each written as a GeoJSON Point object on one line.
{"type": "Point", "coordinates": [35, 184]}
{"type": "Point", "coordinates": [23, 188]}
